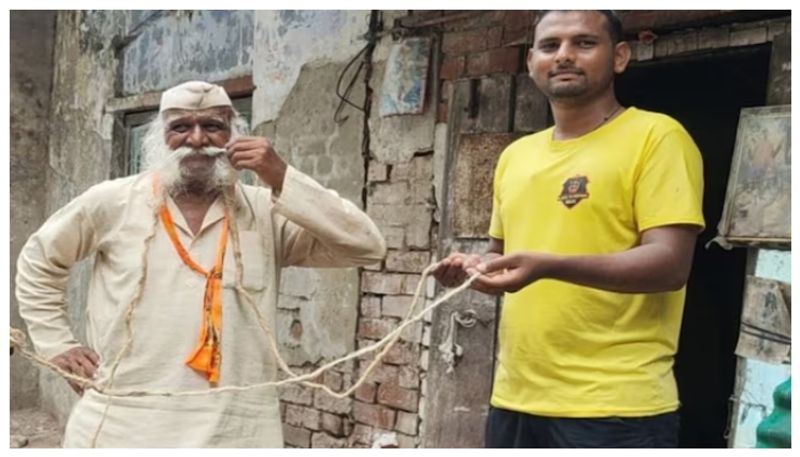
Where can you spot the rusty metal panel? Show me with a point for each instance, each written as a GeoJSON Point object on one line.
{"type": "Point", "coordinates": [494, 104]}
{"type": "Point", "coordinates": [779, 89]}
{"type": "Point", "coordinates": [530, 112]}
{"type": "Point", "coordinates": [483, 105]}
{"type": "Point", "coordinates": [765, 333]}
{"type": "Point", "coordinates": [757, 207]}
{"type": "Point", "coordinates": [461, 360]}
{"type": "Point", "coordinates": [473, 174]}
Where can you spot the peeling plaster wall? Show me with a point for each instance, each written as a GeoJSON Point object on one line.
{"type": "Point", "coordinates": [31, 35]}
{"type": "Point", "coordinates": [299, 56]}
{"type": "Point", "coordinates": [318, 311]}
{"type": "Point", "coordinates": [79, 146]}
{"type": "Point", "coordinates": [167, 49]}
{"type": "Point", "coordinates": [287, 40]}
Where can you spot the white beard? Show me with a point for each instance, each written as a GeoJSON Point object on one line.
{"type": "Point", "coordinates": [159, 158]}
{"type": "Point", "coordinates": [177, 179]}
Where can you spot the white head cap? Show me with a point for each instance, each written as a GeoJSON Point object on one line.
{"type": "Point", "coordinates": [194, 95]}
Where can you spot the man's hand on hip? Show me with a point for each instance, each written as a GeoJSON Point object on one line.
{"type": "Point", "coordinates": [80, 361]}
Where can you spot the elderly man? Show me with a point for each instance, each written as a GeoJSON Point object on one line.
{"type": "Point", "coordinates": [177, 249]}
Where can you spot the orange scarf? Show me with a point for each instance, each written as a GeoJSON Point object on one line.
{"type": "Point", "coordinates": [207, 356]}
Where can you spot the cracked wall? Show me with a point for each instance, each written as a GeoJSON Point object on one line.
{"type": "Point", "coordinates": [31, 35]}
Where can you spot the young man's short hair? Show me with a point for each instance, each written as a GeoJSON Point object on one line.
{"type": "Point", "coordinates": [612, 21]}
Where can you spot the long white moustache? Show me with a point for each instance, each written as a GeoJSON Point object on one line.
{"type": "Point", "coordinates": [223, 173]}
{"type": "Point", "coordinates": [180, 153]}
{"type": "Point", "coordinates": [211, 151]}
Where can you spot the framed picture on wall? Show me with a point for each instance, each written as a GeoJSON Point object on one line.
{"type": "Point", "coordinates": [757, 209]}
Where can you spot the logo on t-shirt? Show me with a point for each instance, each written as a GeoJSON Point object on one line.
{"type": "Point", "coordinates": [574, 190]}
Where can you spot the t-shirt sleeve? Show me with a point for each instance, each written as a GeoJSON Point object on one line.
{"type": "Point", "coordinates": [496, 224]}
{"type": "Point", "coordinates": [669, 186]}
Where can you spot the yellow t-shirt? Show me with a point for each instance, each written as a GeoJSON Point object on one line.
{"type": "Point", "coordinates": [572, 351]}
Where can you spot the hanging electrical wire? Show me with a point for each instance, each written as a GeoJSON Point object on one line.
{"type": "Point", "coordinates": [343, 96]}
{"type": "Point", "coordinates": [366, 64]}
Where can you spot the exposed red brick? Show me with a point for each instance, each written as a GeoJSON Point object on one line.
{"type": "Point", "coordinates": [375, 415]}
{"type": "Point", "coordinates": [493, 37]}
{"type": "Point", "coordinates": [334, 425]}
{"type": "Point", "coordinates": [412, 333]}
{"type": "Point", "coordinates": [295, 393]}
{"type": "Point", "coordinates": [333, 380]}
{"type": "Point", "coordinates": [454, 43]}
{"type": "Point", "coordinates": [396, 305]}
{"type": "Point", "coordinates": [424, 15]}
{"type": "Point", "coordinates": [406, 423]}
{"type": "Point", "coordinates": [516, 20]}
{"type": "Point", "coordinates": [501, 60]}
{"type": "Point", "coordinates": [389, 283]}
{"type": "Point", "coordinates": [472, 20]}
{"type": "Point", "coordinates": [405, 441]}
{"type": "Point", "coordinates": [370, 306]}
{"type": "Point", "coordinates": [330, 404]}
{"type": "Point", "coordinates": [300, 416]}
{"type": "Point", "coordinates": [374, 329]}
{"type": "Point", "coordinates": [345, 367]}
{"type": "Point", "coordinates": [381, 373]}
{"type": "Point", "coordinates": [398, 397]}
{"type": "Point", "coordinates": [402, 353]}
{"type": "Point", "coordinates": [361, 436]}
{"type": "Point", "coordinates": [296, 436]}
{"type": "Point", "coordinates": [369, 356]}
{"type": "Point", "coordinates": [323, 440]}
{"type": "Point", "coordinates": [408, 376]}
{"type": "Point", "coordinates": [366, 392]}
{"type": "Point", "coordinates": [516, 37]}
{"type": "Point", "coordinates": [635, 20]}
{"type": "Point", "coordinates": [452, 67]}
{"type": "Point", "coordinates": [407, 261]}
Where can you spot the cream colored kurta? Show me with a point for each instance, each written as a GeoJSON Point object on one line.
{"type": "Point", "coordinates": [306, 225]}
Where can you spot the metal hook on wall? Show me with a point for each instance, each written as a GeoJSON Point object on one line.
{"type": "Point", "coordinates": [452, 351]}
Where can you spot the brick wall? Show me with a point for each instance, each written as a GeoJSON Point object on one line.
{"type": "Point", "coordinates": [400, 200]}
{"type": "Point", "coordinates": [691, 40]}
{"type": "Point", "coordinates": [488, 43]}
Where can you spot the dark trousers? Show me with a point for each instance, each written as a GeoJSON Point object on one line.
{"type": "Point", "coordinates": [511, 429]}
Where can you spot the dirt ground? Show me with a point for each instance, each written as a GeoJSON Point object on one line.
{"type": "Point", "coordinates": [35, 429]}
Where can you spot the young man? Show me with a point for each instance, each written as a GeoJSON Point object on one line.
{"type": "Point", "coordinates": [593, 228]}
{"type": "Point", "coordinates": [169, 272]}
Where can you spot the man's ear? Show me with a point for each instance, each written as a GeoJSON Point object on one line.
{"type": "Point", "coordinates": [622, 55]}
{"type": "Point", "coordinates": [529, 62]}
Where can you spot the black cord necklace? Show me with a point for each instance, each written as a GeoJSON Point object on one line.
{"type": "Point", "coordinates": [609, 116]}
{"type": "Point", "coordinates": [605, 119]}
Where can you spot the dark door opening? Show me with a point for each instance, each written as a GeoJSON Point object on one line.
{"type": "Point", "coordinates": [705, 93]}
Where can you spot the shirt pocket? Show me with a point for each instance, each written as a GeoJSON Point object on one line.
{"type": "Point", "coordinates": [253, 262]}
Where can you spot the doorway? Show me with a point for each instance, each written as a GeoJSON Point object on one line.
{"type": "Point", "coordinates": [705, 93]}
